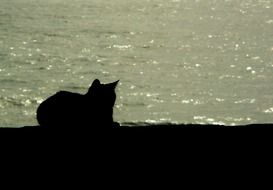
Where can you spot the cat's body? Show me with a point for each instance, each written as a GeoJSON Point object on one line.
{"type": "Point", "coordinates": [67, 109]}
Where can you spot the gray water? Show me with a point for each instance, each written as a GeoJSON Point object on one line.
{"type": "Point", "coordinates": [179, 61]}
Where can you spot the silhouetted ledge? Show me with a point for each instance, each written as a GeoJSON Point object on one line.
{"type": "Point", "coordinates": [172, 126]}
{"type": "Point", "coordinates": [195, 126]}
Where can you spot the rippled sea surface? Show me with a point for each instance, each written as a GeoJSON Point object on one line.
{"type": "Point", "coordinates": [179, 61]}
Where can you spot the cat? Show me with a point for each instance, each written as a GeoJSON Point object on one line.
{"type": "Point", "coordinates": [67, 109]}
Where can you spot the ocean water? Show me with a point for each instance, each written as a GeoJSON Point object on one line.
{"type": "Point", "coordinates": [178, 61]}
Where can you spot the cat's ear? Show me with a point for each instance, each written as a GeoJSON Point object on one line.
{"type": "Point", "coordinates": [95, 85]}
{"type": "Point", "coordinates": [113, 85]}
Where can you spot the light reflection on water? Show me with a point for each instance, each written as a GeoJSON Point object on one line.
{"type": "Point", "coordinates": [179, 61]}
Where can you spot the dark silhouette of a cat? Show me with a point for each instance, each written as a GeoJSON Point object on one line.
{"type": "Point", "coordinates": [93, 109]}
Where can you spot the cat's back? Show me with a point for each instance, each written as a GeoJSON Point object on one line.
{"type": "Point", "coordinates": [58, 105]}
{"type": "Point", "coordinates": [62, 97]}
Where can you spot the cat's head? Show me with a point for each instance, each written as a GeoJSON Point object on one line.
{"type": "Point", "coordinates": [103, 94]}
